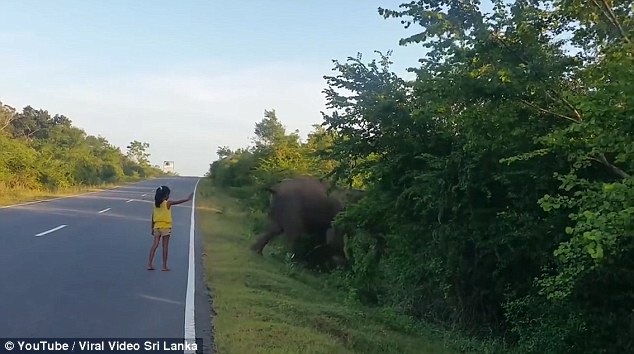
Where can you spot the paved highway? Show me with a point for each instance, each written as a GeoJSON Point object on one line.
{"type": "Point", "coordinates": [76, 267]}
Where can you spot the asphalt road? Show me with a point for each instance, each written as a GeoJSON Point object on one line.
{"type": "Point", "coordinates": [88, 279]}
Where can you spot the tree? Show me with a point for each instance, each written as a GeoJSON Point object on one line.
{"type": "Point", "coordinates": [224, 152]}
{"type": "Point", "coordinates": [35, 124]}
{"type": "Point", "coordinates": [137, 152]}
{"type": "Point", "coordinates": [269, 131]}
{"type": "Point", "coordinates": [7, 115]}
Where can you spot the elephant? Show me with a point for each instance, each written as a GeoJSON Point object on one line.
{"type": "Point", "coordinates": [303, 206]}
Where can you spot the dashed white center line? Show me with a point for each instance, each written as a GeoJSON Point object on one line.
{"type": "Point", "coordinates": [51, 230]}
{"type": "Point", "coordinates": [131, 200]}
{"type": "Point", "coordinates": [105, 210]}
{"type": "Point", "coordinates": [144, 195]}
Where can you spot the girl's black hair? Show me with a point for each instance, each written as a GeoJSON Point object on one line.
{"type": "Point", "coordinates": [161, 193]}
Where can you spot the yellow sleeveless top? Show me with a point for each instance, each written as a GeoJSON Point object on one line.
{"type": "Point", "coordinates": [162, 217]}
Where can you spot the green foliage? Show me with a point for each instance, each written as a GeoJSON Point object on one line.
{"type": "Point", "coordinates": [137, 152]}
{"type": "Point", "coordinates": [275, 155]}
{"type": "Point", "coordinates": [38, 151]}
{"type": "Point", "coordinates": [18, 166]}
{"type": "Point", "coordinates": [500, 196]}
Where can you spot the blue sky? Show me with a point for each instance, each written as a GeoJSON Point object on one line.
{"type": "Point", "coordinates": [186, 76]}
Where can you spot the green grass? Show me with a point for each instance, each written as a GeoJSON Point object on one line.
{"type": "Point", "coordinates": [264, 306]}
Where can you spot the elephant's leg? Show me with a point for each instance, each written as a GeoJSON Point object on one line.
{"type": "Point", "coordinates": [331, 237]}
{"type": "Point", "coordinates": [335, 242]}
{"type": "Point", "coordinates": [272, 230]}
{"type": "Point", "coordinates": [293, 232]}
{"type": "Point", "coordinates": [339, 260]}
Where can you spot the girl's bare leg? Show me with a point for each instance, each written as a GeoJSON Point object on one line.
{"type": "Point", "coordinates": [152, 252]}
{"type": "Point", "coordinates": [166, 241]}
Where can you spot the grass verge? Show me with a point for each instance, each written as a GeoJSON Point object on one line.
{"type": "Point", "coordinates": [10, 196]}
{"type": "Point", "coordinates": [262, 306]}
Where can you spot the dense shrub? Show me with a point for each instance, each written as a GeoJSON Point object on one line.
{"type": "Point", "coordinates": [500, 195]}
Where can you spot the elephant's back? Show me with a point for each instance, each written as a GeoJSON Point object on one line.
{"type": "Point", "coordinates": [307, 199]}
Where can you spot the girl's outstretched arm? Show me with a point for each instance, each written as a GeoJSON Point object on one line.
{"type": "Point", "coordinates": [176, 202]}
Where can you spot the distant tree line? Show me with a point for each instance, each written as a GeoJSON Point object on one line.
{"type": "Point", "coordinates": [40, 151]}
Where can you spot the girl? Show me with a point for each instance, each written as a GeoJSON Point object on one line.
{"type": "Point", "coordinates": [162, 222]}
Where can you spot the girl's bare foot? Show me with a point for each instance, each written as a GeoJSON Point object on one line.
{"type": "Point", "coordinates": [150, 267]}
{"type": "Point", "coordinates": [166, 269]}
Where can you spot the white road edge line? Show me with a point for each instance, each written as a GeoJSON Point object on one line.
{"type": "Point", "coordinates": [190, 323]}
{"type": "Point", "coordinates": [105, 210]}
{"type": "Point", "coordinates": [47, 200]}
{"type": "Point", "coordinates": [51, 230]}
{"type": "Point", "coordinates": [57, 198]}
